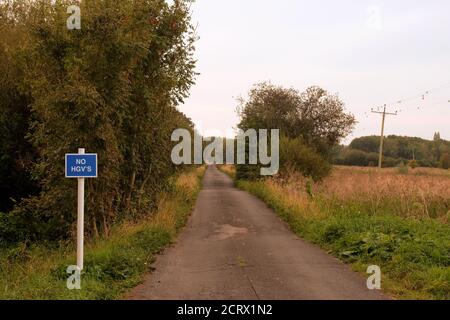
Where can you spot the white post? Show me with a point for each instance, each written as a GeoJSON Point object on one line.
{"type": "Point", "coordinates": [80, 219]}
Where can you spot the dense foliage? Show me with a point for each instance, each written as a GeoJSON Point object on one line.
{"type": "Point", "coordinates": [296, 155]}
{"type": "Point", "coordinates": [16, 152]}
{"type": "Point", "coordinates": [111, 87]}
{"type": "Point", "coordinates": [312, 123]}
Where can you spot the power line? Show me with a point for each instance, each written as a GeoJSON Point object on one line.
{"type": "Point", "coordinates": [423, 96]}
{"type": "Point", "coordinates": [399, 102]}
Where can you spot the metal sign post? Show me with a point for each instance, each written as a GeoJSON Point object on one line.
{"type": "Point", "coordinates": [81, 165]}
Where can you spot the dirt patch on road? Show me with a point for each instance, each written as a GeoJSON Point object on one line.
{"type": "Point", "coordinates": [228, 231]}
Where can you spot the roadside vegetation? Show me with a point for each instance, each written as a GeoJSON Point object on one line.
{"type": "Point", "coordinates": [112, 264]}
{"type": "Point", "coordinates": [397, 218]}
{"type": "Point", "coordinates": [111, 87]}
{"type": "Point", "coordinates": [398, 221]}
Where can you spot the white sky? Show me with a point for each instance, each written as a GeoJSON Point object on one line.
{"type": "Point", "coordinates": [370, 52]}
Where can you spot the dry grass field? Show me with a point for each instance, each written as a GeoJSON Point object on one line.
{"type": "Point", "coordinates": [420, 192]}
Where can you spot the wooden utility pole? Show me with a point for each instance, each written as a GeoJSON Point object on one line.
{"type": "Point", "coordinates": [384, 113]}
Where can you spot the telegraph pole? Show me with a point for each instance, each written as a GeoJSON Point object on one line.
{"type": "Point", "coordinates": [384, 113]}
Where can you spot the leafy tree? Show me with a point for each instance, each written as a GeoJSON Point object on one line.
{"type": "Point", "coordinates": [16, 152]}
{"type": "Point", "coordinates": [437, 142]}
{"type": "Point", "coordinates": [111, 87]}
{"type": "Point", "coordinates": [314, 115]}
{"type": "Point", "coordinates": [366, 144]}
{"type": "Point", "coordinates": [311, 123]}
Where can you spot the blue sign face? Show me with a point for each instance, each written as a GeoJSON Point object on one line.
{"type": "Point", "coordinates": [81, 165]}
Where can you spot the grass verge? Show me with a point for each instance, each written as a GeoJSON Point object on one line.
{"type": "Point", "coordinates": [413, 253]}
{"type": "Point", "coordinates": [112, 264]}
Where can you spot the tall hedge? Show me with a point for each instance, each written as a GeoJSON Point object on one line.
{"type": "Point", "coordinates": [111, 87]}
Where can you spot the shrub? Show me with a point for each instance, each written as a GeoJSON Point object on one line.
{"type": "Point", "coordinates": [295, 154]}
{"type": "Point", "coordinates": [355, 157]}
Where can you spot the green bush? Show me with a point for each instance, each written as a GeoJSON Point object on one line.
{"type": "Point", "coordinates": [248, 172]}
{"type": "Point", "coordinates": [354, 158]}
{"type": "Point", "coordinates": [295, 154]}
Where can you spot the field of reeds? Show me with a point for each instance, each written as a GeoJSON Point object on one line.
{"type": "Point", "coordinates": [398, 219]}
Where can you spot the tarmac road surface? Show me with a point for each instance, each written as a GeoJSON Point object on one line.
{"type": "Point", "coordinates": [234, 247]}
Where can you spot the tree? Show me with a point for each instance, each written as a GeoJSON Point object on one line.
{"type": "Point", "coordinates": [16, 153]}
{"type": "Point", "coordinates": [437, 146]}
{"type": "Point", "coordinates": [111, 87]}
{"type": "Point", "coordinates": [311, 125]}
{"type": "Point", "coordinates": [315, 116]}
{"type": "Point", "coordinates": [366, 144]}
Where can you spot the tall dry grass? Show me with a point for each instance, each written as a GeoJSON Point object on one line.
{"type": "Point", "coordinates": [187, 185]}
{"type": "Point", "coordinates": [395, 219]}
{"type": "Point", "coordinates": [416, 193]}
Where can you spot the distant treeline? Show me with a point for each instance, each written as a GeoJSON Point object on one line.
{"type": "Point", "coordinates": [397, 150]}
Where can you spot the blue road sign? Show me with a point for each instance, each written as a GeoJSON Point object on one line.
{"type": "Point", "coordinates": [81, 165]}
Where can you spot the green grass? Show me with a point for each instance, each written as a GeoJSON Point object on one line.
{"type": "Point", "coordinates": [413, 254]}
{"type": "Point", "coordinates": [112, 265]}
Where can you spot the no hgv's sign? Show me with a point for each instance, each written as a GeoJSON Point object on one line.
{"type": "Point", "coordinates": [81, 165]}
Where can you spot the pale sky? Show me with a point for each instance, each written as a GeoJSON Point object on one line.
{"type": "Point", "coordinates": [369, 52]}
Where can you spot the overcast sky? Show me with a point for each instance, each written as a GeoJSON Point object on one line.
{"type": "Point", "coordinates": [369, 52]}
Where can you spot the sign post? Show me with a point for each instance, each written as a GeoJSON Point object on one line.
{"type": "Point", "coordinates": [81, 165]}
{"type": "Point", "coordinates": [80, 219]}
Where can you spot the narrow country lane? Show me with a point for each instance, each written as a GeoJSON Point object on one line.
{"type": "Point", "coordinates": [235, 247]}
